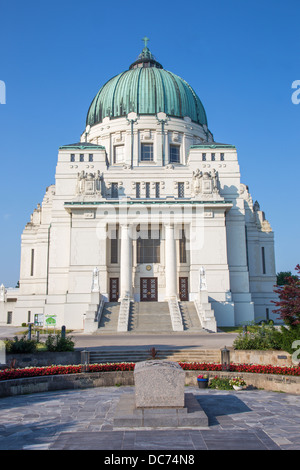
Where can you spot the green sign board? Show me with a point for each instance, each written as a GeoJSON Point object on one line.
{"type": "Point", "coordinates": [50, 320]}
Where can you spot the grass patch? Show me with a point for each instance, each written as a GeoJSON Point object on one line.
{"type": "Point", "coordinates": [239, 329]}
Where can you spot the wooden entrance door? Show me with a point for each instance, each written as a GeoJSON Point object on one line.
{"type": "Point", "coordinates": [148, 289]}
{"type": "Point", "coordinates": [183, 289]}
{"type": "Point", "coordinates": [114, 289]}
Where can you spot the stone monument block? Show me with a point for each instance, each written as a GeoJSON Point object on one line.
{"type": "Point", "coordinates": [159, 384]}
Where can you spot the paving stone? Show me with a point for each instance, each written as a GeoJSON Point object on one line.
{"type": "Point", "coordinates": [247, 420]}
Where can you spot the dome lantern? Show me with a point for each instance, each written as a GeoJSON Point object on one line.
{"type": "Point", "coordinates": [146, 58]}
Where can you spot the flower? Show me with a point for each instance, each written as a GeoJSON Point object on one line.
{"type": "Point", "coordinates": [238, 381]}
{"type": "Point", "coordinates": [7, 374]}
{"type": "Point", "coordinates": [201, 376]}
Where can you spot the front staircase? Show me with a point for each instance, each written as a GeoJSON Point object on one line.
{"type": "Point", "coordinates": [149, 317]}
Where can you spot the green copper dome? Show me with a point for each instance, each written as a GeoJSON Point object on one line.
{"type": "Point", "coordinates": [146, 88]}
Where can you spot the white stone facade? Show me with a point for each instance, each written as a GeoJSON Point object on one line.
{"type": "Point", "coordinates": [104, 190]}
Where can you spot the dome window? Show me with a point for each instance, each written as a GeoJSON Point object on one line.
{"type": "Point", "coordinates": [147, 153]}
{"type": "Point", "coordinates": [174, 154]}
{"type": "Point", "coordinates": [119, 154]}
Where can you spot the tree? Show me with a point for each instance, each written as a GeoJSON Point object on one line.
{"type": "Point", "coordinates": [289, 300]}
{"type": "Point", "coordinates": [282, 277]}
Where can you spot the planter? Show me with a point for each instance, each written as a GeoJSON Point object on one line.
{"type": "Point", "coordinates": [237, 387]}
{"type": "Point", "coordinates": [43, 358]}
{"type": "Point", "coordinates": [202, 383]}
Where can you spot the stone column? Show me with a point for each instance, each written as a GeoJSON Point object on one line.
{"type": "Point", "coordinates": [170, 261]}
{"type": "Point", "coordinates": [126, 261]}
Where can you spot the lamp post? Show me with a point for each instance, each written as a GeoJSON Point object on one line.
{"type": "Point", "coordinates": [63, 332]}
{"type": "Point", "coordinates": [85, 361]}
{"type": "Point", "coordinates": [29, 331]}
{"type": "Point", "coordinates": [225, 359]}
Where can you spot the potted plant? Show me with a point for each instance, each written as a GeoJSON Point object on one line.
{"type": "Point", "coordinates": [237, 383]}
{"type": "Point", "coordinates": [202, 381]}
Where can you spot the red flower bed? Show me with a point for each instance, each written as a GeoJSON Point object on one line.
{"type": "Point", "coordinates": [254, 368]}
{"type": "Point", "coordinates": [8, 374]}
{"type": "Point", "coordinates": [112, 367]}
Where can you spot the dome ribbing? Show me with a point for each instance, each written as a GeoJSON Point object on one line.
{"type": "Point", "coordinates": [146, 88]}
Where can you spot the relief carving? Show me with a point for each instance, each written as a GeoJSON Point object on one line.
{"type": "Point", "coordinates": [205, 184]}
{"type": "Point", "coordinates": [89, 183]}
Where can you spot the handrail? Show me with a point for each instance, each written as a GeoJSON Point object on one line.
{"type": "Point", "coordinates": [123, 319]}
{"type": "Point", "coordinates": [206, 317]}
{"type": "Point", "coordinates": [175, 314]}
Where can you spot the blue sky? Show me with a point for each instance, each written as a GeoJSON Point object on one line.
{"type": "Point", "coordinates": [241, 57]}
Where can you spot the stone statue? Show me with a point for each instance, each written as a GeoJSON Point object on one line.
{"type": "Point", "coordinates": [80, 182]}
{"type": "Point", "coordinates": [202, 278]}
{"type": "Point", "coordinates": [214, 178]}
{"type": "Point", "coordinates": [256, 206]}
{"type": "Point", "coordinates": [95, 282]}
{"type": "Point", "coordinates": [2, 293]}
{"type": "Point", "coordinates": [196, 183]}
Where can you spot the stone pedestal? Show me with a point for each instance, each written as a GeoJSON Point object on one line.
{"type": "Point", "coordinates": [159, 400]}
{"type": "Point", "coordinates": [159, 384]}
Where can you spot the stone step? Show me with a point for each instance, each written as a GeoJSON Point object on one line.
{"type": "Point", "coordinates": [149, 317]}
{"type": "Point", "coordinates": [190, 318]}
{"type": "Point", "coordinates": [109, 317]}
{"type": "Point", "coordinates": [135, 355]}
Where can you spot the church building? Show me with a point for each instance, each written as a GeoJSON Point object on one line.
{"type": "Point", "coordinates": [148, 227]}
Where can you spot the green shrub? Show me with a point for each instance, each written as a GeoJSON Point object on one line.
{"type": "Point", "coordinates": [265, 337]}
{"type": "Point", "coordinates": [288, 336]}
{"type": "Point", "coordinates": [20, 345]}
{"type": "Point", "coordinates": [57, 343]}
{"type": "Point", "coordinates": [220, 383]}
{"type": "Point", "coordinates": [268, 337]}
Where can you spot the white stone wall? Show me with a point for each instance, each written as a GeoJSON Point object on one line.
{"type": "Point", "coordinates": [68, 231]}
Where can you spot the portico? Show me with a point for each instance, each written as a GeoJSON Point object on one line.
{"type": "Point", "coordinates": [147, 249]}
{"type": "Point", "coordinates": [149, 270]}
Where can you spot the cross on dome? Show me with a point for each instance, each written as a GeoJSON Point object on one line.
{"type": "Point", "coordinates": [146, 40]}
